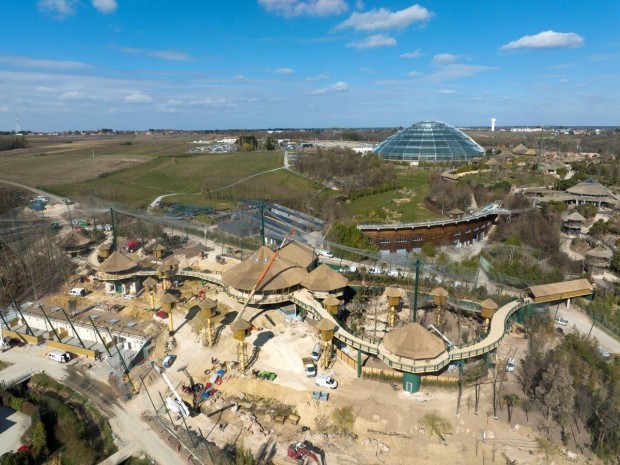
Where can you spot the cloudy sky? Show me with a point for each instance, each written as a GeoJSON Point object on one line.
{"type": "Point", "coordinates": [202, 64]}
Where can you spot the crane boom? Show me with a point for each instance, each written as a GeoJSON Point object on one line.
{"type": "Point", "coordinates": [264, 273]}
{"type": "Point", "coordinates": [183, 410]}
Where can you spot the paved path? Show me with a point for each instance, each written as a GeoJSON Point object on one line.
{"type": "Point", "coordinates": [12, 425]}
{"type": "Point", "coordinates": [132, 431]}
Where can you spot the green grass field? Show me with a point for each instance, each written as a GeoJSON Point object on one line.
{"type": "Point", "coordinates": [405, 204]}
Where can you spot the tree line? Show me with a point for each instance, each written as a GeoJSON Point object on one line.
{"type": "Point", "coordinates": [12, 142]}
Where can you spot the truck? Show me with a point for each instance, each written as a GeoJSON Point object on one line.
{"type": "Point", "coordinates": [309, 367]}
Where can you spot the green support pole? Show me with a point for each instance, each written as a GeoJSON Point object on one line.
{"type": "Point", "coordinates": [113, 230]}
{"type": "Point", "coordinates": [105, 346]}
{"type": "Point", "coordinates": [73, 328]}
{"type": "Point", "coordinates": [359, 363]}
{"type": "Point", "coordinates": [23, 319]}
{"type": "Point", "coordinates": [50, 323]}
{"type": "Point", "coordinates": [415, 292]}
{"type": "Point", "coordinates": [70, 219]}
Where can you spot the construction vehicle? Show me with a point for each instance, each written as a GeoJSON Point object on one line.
{"type": "Point", "coordinates": [175, 404]}
{"type": "Point", "coordinates": [263, 274]}
{"type": "Point", "coordinates": [300, 451]}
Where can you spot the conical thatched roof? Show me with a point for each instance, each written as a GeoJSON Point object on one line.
{"type": "Point", "coordinates": [600, 252]}
{"type": "Point", "coordinates": [149, 282]}
{"type": "Point", "coordinates": [240, 325]}
{"type": "Point", "coordinates": [331, 300]}
{"type": "Point", "coordinates": [531, 152]}
{"type": "Point", "coordinates": [413, 341]}
{"type": "Point", "coordinates": [324, 279]}
{"type": "Point", "coordinates": [282, 275]}
{"type": "Point", "coordinates": [298, 253]}
{"type": "Point", "coordinates": [519, 149]}
{"type": "Point", "coordinates": [117, 263]}
{"type": "Point", "coordinates": [575, 216]}
{"type": "Point", "coordinates": [73, 240]}
{"type": "Point", "coordinates": [207, 304]}
{"type": "Point", "coordinates": [492, 162]}
{"type": "Point", "coordinates": [325, 325]}
{"type": "Point", "coordinates": [168, 298]}
{"type": "Point", "coordinates": [439, 292]}
{"type": "Point", "coordinates": [489, 303]}
{"type": "Point", "coordinates": [456, 211]}
{"type": "Point", "coordinates": [393, 291]}
{"type": "Point", "coordinates": [170, 262]}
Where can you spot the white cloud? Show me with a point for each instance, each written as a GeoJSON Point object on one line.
{"type": "Point", "coordinates": [287, 71]}
{"type": "Point", "coordinates": [378, 40]}
{"type": "Point", "coordinates": [459, 70]}
{"type": "Point", "coordinates": [546, 39]}
{"type": "Point", "coordinates": [240, 77]}
{"type": "Point", "coordinates": [445, 91]}
{"type": "Point", "coordinates": [4, 109]}
{"type": "Point", "coordinates": [292, 8]}
{"type": "Point", "coordinates": [443, 59]}
{"type": "Point", "coordinates": [105, 6]}
{"type": "Point", "coordinates": [26, 62]}
{"type": "Point", "coordinates": [382, 19]}
{"type": "Point", "coordinates": [74, 95]}
{"type": "Point", "coordinates": [340, 86]}
{"type": "Point", "coordinates": [45, 90]}
{"type": "Point", "coordinates": [416, 54]}
{"type": "Point", "coordinates": [168, 55]}
{"type": "Point", "coordinates": [414, 74]}
{"type": "Point", "coordinates": [318, 77]}
{"type": "Point", "coordinates": [175, 102]}
{"type": "Point", "coordinates": [138, 98]}
{"type": "Point", "coordinates": [57, 8]}
{"type": "Point", "coordinates": [359, 5]}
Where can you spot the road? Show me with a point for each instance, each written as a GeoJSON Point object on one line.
{"type": "Point", "coordinates": [132, 431]}
{"type": "Point", "coordinates": [32, 189]}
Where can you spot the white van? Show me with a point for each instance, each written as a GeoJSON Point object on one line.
{"type": "Point", "coordinates": [59, 356]}
{"type": "Point", "coordinates": [326, 253]}
{"type": "Point", "coordinates": [78, 292]}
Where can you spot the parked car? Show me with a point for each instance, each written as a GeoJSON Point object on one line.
{"type": "Point", "coordinates": [326, 253]}
{"type": "Point", "coordinates": [78, 292]}
{"type": "Point", "coordinates": [168, 360]}
{"type": "Point", "coordinates": [511, 364]}
{"type": "Point", "coordinates": [326, 381]}
{"type": "Point", "coordinates": [316, 351]}
{"type": "Point", "coordinates": [561, 321]}
{"type": "Point", "coordinates": [59, 356]}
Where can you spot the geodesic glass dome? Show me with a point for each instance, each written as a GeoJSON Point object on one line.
{"type": "Point", "coordinates": [429, 141]}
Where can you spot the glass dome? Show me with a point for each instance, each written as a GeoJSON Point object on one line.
{"type": "Point", "coordinates": [429, 141]}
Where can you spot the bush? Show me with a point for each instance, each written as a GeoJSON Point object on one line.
{"type": "Point", "coordinates": [343, 419]}
{"type": "Point", "coordinates": [16, 403]}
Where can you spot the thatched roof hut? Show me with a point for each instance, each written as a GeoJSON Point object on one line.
{"type": "Point", "coordinates": [413, 341]}
{"type": "Point", "coordinates": [117, 263]}
{"type": "Point", "coordinates": [298, 253]}
{"type": "Point", "coordinates": [324, 279]}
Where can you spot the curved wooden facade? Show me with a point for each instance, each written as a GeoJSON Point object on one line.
{"type": "Point", "coordinates": [409, 237]}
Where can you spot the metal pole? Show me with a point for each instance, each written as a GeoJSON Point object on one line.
{"type": "Point", "coordinates": [148, 394]}
{"type": "Point", "coordinates": [50, 323]}
{"type": "Point", "coordinates": [105, 346]}
{"type": "Point", "coordinates": [415, 292]}
{"type": "Point", "coordinates": [23, 319]}
{"type": "Point", "coordinates": [167, 410]}
{"type": "Point", "coordinates": [118, 352]}
{"type": "Point", "coordinates": [69, 211]}
{"type": "Point", "coordinates": [262, 222]}
{"type": "Point", "coordinates": [73, 327]}
{"type": "Point", "coordinates": [113, 230]}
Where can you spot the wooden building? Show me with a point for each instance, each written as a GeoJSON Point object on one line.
{"type": "Point", "coordinates": [555, 292]}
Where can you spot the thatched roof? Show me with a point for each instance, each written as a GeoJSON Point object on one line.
{"type": "Point", "coordinates": [73, 240]}
{"type": "Point", "coordinates": [168, 298]}
{"type": "Point", "coordinates": [331, 300]}
{"type": "Point", "coordinates": [600, 252]}
{"type": "Point", "coordinates": [575, 216]}
{"type": "Point", "coordinates": [489, 303]}
{"type": "Point", "coordinates": [439, 292]}
{"type": "Point", "coordinates": [117, 263]}
{"type": "Point", "coordinates": [531, 152]}
{"type": "Point", "coordinates": [456, 211]}
{"type": "Point", "coordinates": [240, 325]}
{"type": "Point", "coordinates": [283, 273]}
{"type": "Point", "coordinates": [554, 289]}
{"type": "Point", "coordinates": [105, 246]}
{"type": "Point", "coordinates": [158, 246]}
{"type": "Point", "coordinates": [492, 162]}
{"type": "Point", "coordinates": [298, 253]}
{"type": "Point", "coordinates": [413, 341]}
{"type": "Point", "coordinates": [207, 304]}
{"type": "Point", "coordinates": [519, 149]}
{"type": "Point", "coordinates": [324, 279]}
{"type": "Point", "coordinates": [171, 262]}
{"type": "Point", "coordinates": [325, 325]}
{"type": "Point", "coordinates": [393, 291]}
{"type": "Point", "coordinates": [592, 188]}
{"type": "Point", "coordinates": [150, 282]}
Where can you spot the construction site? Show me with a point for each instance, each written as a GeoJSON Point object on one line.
{"type": "Point", "coordinates": [274, 352]}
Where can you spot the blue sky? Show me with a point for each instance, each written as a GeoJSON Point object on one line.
{"type": "Point", "coordinates": [138, 64]}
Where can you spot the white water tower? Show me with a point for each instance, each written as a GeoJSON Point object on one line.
{"type": "Point", "coordinates": [492, 124]}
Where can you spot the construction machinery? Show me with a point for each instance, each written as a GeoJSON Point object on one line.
{"type": "Point", "coordinates": [175, 404]}
{"type": "Point", "coordinates": [303, 450]}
